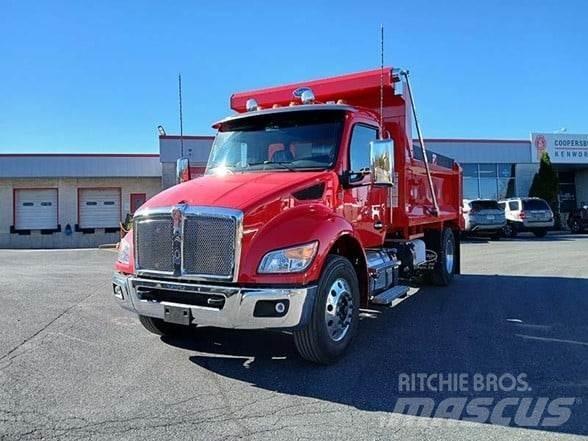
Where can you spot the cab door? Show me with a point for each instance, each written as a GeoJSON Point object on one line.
{"type": "Point", "coordinates": [364, 205]}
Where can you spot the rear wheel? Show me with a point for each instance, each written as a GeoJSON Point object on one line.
{"type": "Point", "coordinates": [335, 314]}
{"type": "Point", "coordinates": [540, 232]}
{"type": "Point", "coordinates": [444, 269]}
{"type": "Point", "coordinates": [159, 327]}
{"type": "Point", "coordinates": [510, 230]}
{"type": "Point", "coordinates": [575, 226]}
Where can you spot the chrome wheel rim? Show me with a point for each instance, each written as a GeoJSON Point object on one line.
{"type": "Point", "coordinates": [339, 309]}
{"type": "Point", "coordinates": [575, 227]}
{"type": "Point", "coordinates": [449, 255]}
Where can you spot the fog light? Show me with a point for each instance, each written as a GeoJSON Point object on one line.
{"type": "Point", "coordinates": [118, 291]}
{"type": "Point", "coordinates": [271, 308]}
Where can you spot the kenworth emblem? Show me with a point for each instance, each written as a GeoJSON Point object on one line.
{"type": "Point", "coordinates": [177, 215]}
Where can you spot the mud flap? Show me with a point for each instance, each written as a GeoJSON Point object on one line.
{"type": "Point", "coordinates": [457, 267]}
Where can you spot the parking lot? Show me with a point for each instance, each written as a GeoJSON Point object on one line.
{"type": "Point", "coordinates": [73, 365]}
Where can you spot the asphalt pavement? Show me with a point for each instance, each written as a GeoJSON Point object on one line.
{"type": "Point", "coordinates": [74, 366]}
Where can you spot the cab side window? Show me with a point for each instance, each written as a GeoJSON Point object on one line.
{"type": "Point", "coordinates": [513, 206]}
{"type": "Point", "coordinates": [359, 156]}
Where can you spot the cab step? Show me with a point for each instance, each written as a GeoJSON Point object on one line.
{"type": "Point", "coordinates": [386, 297]}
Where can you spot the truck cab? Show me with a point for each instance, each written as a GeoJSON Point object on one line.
{"type": "Point", "coordinates": [313, 204]}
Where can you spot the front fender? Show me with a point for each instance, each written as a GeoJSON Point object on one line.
{"type": "Point", "coordinates": [295, 226]}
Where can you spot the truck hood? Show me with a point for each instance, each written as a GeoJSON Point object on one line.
{"type": "Point", "coordinates": [239, 191]}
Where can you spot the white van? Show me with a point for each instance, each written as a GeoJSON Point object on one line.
{"type": "Point", "coordinates": [527, 214]}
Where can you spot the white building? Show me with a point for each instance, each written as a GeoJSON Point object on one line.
{"type": "Point", "coordinates": [70, 201]}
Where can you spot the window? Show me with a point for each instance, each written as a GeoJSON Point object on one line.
{"type": "Point", "coordinates": [27, 204]}
{"type": "Point", "coordinates": [470, 188]}
{"type": "Point", "coordinates": [535, 204]}
{"type": "Point", "coordinates": [506, 170]}
{"type": "Point", "coordinates": [487, 170]}
{"type": "Point", "coordinates": [488, 180]}
{"type": "Point", "coordinates": [470, 170]}
{"type": "Point", "coordinates": [91, 203]}
{"type": "Point", "coordinates": [108, 202]}
{"type": "Point", "coordinates": [513, 205]}
{"type": "Point", "coordinates": [46, 204]}
{"type": "Point", "coordinates": [359, 157]}
{"type": "Point", "coordinates": [484, 205]}
{"type": "Point", "coordinates": [506, 188]}
{"type": "Point", "coordinates": [488, 189]}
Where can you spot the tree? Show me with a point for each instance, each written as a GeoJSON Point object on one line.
{"type": "Point", "coordinates": [546, 184]}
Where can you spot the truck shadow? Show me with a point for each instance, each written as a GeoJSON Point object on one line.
{"type": "Point", "coordinates": [482, 324]}
{"type": "Point", "coordinates": [525, 236]}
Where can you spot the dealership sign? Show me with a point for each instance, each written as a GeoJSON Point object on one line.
{"type": "Point", "coordinates": [562, 148]}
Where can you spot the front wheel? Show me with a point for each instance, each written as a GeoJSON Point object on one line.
{"type": "Point", "coordinates": [335, 314]}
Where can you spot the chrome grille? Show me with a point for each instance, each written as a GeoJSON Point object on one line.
{"type": "Point", "coordinates": [209, 245]}
{"type": "Point", "coordinates": [153, 239]}
{"type": "Point", "coordinates": [209, 239]}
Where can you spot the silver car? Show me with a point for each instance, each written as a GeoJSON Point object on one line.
{"type": "Point", "coordinates": [483, 216]}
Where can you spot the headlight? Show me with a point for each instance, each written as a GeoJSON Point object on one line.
{"type": "Point", "coordinates": [124, 252]}
{"type": "Point", "coordinates": [288, 260]}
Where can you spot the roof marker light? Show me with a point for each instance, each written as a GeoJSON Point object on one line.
{"type": "Point", "coordinates": [251, 105]}
{"type": "Point", "coordinates": [305, 94]}
{"type": "Point", "coordinates": [307, 97]}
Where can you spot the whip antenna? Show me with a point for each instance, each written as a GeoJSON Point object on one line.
{"type": "Point", "coordinates": [181, 116]}
{"type": "Point", "coordinates": [382, 81]}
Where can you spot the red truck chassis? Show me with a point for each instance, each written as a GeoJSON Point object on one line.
{"type": "Point", "coordinates": [315, 203]}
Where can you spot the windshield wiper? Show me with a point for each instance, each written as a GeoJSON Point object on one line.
{"type": "Point", "coordinates": [283, 164]}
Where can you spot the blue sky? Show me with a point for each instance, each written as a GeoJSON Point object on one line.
{"type": "Point", "coordinates": [79, 76]}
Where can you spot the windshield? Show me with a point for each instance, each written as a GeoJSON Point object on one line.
{"type": "Point", "coordinates": [294, 140]}
{"type": "Point", "coordinates": [535, 204]}
{"type": "Point", "coordinates": [484, 205]}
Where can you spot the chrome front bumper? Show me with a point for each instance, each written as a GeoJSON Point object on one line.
{"type": "Point", "coordinates": [236, 312]}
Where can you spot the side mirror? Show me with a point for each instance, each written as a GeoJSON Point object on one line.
{"type": "Point", "coordinates": [182, 170]}
{"type": "Point", "coordinates": [382, 162]}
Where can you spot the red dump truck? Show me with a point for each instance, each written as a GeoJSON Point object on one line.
{"type": "Point", "coordinates": [315, 203]}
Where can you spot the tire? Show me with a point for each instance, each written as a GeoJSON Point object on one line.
{"type": "Point", "coordinates": [575, 226]}
{"type": "Point", "coordinates": [510, 230]}
{"type": "Point", "coordinates": [444, 269]}
{"type": "Point", "coordinates": [159, 327]}
{"type": "Point", "coordinates": [496, 236]}
{"type": "Point", "coordinates": [338, 290]}
{"type": "Point", "coordinates": [540, 232]}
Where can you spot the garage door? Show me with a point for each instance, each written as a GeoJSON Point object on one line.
{"type": "Point", "coordinates": [35, 209]}
{"type": "Point", "coordinates": [99, 207]}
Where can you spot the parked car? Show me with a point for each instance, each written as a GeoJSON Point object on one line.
{"type": "Point", "coordinates": [483, 216]}
{"type": "Point", "coordinates": [527, 214]}
{"type": "Point", "coordinates": [578, 219]}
